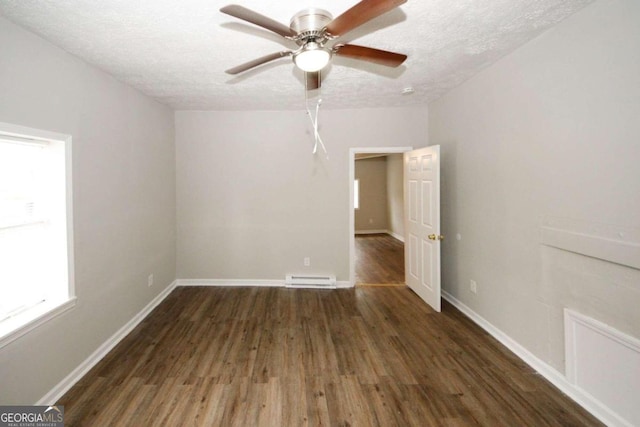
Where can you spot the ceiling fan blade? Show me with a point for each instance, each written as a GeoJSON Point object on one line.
{"type": "Point", "coordinates": [259, 61]}
{"type": "Point", "coordinates": [258, 19]}
{"type": "Point", "coordinates": [362, 12]}
{"type": "Point", "coordinates": [383, 57]}
{"type": "Point", "coordinates": [312, 80]}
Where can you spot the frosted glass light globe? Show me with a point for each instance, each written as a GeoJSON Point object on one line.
{"type": "Point", "coordinates": [312, 58]}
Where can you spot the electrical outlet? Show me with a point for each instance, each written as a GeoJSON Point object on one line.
{"type": "Point", "coordinates": [307, 261]}
{"type": "Point", "coordinates": [473, 286]}
{"type": "Point", "coordinates": [150, 280]}
{"type": "Point", "coordinates": [370, 220]}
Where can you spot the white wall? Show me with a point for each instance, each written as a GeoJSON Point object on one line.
{"type": "Point", "coordinates": [252, 198]}
{"type": "Point", "coordinates": [551, 131]}
{"type": "Point", "coordinates": [372, 176]}
{"type": "Point", "coordinates": [124, 202]}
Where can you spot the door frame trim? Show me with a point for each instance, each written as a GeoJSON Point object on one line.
{"type": "Point", "coordinates": [352, 161]}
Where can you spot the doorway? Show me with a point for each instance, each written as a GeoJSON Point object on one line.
{"type": "Point", "coordinates": [378, 249]}
{"type": "Point", "coordinates": [379, 260]}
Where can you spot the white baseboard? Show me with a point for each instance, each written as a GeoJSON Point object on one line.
{"type": "Point", "coordinates": [389, 232]}
{"type": "Point", "coordinates": [63, 386]}
{"type": "Point", "coordinates": [229, 282]}
{"type": "Point", "coordinates": [584, 399]}
{"type": "Point", "coordinates": [372, 231]}
{"type": "Point", "coordinates": [396, 236]}
{"type": "Point", "coordinates": [245, 283]}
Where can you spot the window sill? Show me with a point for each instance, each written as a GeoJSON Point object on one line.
{"type": "Point", "coordinates": [13, 328]}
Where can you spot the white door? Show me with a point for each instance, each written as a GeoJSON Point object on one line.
{"type": "Point", "coordinates": [422, 223]}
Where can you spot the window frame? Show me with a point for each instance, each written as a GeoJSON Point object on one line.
{"type": "Point", "coordinates": [30, 319]}
{"type": "Point", "coordinates": [356, 194]}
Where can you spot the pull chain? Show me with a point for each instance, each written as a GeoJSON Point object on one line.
{"type": "Point", "coordinates": [314, 124]}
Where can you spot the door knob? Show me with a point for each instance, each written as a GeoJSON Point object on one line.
{"type": "Point", "coordinates": [435, 237]}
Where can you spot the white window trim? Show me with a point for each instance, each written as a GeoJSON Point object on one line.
{"type": "Point", "coordinates": [356, 194]}
{"type": "Point", "coordinates": [23, 323]}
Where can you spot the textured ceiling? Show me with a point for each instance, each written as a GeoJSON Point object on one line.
{"type": "Point", "coordinates": [177, 50]}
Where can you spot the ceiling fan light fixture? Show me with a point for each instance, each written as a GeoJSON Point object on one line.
{"type": "Point", "coordinates": [311, 28]}
{"type": "Point", "coordinates": [312, 57]}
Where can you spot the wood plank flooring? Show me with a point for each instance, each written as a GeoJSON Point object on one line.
{"type": "Point", "coordinates": [370, 356]}
{"type": "Point", "coordinates": [379, 259]}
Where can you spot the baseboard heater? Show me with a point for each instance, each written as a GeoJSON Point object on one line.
{"type": "Point", "coordinates": [312, 282]}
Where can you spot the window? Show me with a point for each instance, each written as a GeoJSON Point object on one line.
{"type": "Point", "coordinates": [35, 243]}
{"type": "Point", "coordinates": [356, 194]}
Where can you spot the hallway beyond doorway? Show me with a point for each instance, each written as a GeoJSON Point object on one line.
{"type": "Point", "coordinates": [379, 260]}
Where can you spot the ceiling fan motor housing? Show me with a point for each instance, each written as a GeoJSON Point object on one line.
{"type": "Point", "coordinates": [308, 24]}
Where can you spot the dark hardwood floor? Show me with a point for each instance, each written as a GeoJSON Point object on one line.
{"type": "Point", "coordinates": [282, 357]}
{"type": "Point", "coordinates": [379, 259]}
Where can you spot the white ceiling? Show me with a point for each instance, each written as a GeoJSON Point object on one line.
{"type": "Point", "coordinates": [177, 50]}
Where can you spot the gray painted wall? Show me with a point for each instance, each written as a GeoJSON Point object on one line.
{"type": "Point", "coordinates": [551, 131]}
{"type": "Point", "coordinates": [253, 200]}
{"type": "Point", "coordinates": [373, 212]}
{"type": "Point", "coordinates": [395, 194]}
{"type": "Point", "coordinates": [124, 202]}
{"type": "Point", "coordinates": [382, 195]}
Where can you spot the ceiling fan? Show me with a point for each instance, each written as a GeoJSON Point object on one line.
{"type": "Point", "coordinates": [311, 29]}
